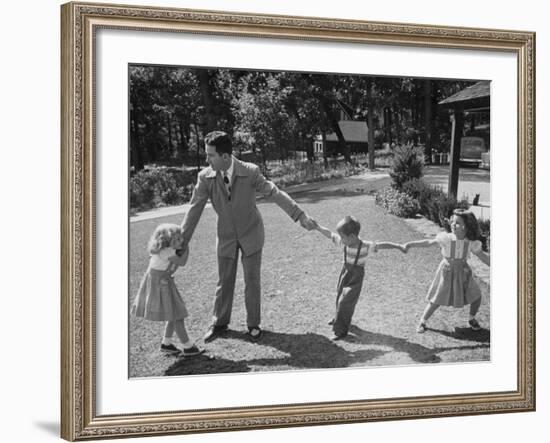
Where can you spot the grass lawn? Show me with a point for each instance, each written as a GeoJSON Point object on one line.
{"type": "Point", "coordinates": [299, 275]}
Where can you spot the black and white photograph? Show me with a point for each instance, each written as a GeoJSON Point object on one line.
{"type": "Point", "coordinates": [291, 221]}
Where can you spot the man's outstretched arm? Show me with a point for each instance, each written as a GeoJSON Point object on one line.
{"type": "Point", "coordinates": [196, 206]}
{"type": "Point", "coordinates": [270, 190]}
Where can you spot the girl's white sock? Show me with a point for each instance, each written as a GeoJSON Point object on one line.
{"type": "Point", "coordinates": [167, 341]}
{"type": "Point", "coordinates": [187, 344]}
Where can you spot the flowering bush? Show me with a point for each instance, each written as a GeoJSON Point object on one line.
{"type": "Point", "coordinates": [397, 202]}
{"type": "Point", "coordinates": [292, 173]}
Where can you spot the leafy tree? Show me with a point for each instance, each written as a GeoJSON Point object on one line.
{"type": "Point", "coordinates": [264, 124]}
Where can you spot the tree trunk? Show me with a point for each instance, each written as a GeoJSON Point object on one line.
{"type": "Point", "coordinates": [456, 135]}
{"type": "Point", "coordinates": [397, 123]}
{"type": "Point", "coordinates": [210, 123]}
{"type": "Point", "coordinates": [428, 120]}
{"type": "Point", "coordinates": [136, 158]}
{"type": "Point", "coordinates": [387, 125]}
{"type": "Point", "coordinates": [198, 158]}
{"type": "Point", "coordinates": [309, 149]}
{"type": "Point", "coordinates": [184, 144]}
{"type": "Point", "coordinates": [171, 148]}
{"type": "Point", "coordinates": [370, 126]}
{"type": "Point", "coordinates": [370, 138]}
{"type": "Point", "coordinates": [325, 158]}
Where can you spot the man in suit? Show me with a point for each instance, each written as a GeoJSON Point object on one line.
{"type": "Point", "coordinates": [231, 185]}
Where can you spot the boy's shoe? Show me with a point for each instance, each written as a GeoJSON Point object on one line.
{"type": "Point", "coordinates": [421, 328]}
{"type": "Point", "coordinates": [254, 332]}
{"type": "Point", "coordinates": [214, 332]}
{"type": "Point", "coordinates": [192, 351]}
{"type": "Point", "coordinates": [474, 324]}
{"type": "Point", "coordinates": [169, 349]}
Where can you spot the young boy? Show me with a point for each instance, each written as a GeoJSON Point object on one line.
{"type": "Point", "coordinates": [351, 277]}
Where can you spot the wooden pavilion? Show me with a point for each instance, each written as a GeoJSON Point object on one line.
{"type": "Point", "coordinates": [476, 98]}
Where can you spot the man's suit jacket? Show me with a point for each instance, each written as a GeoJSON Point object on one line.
{"type": "Point", "coordinates": [239, 220]}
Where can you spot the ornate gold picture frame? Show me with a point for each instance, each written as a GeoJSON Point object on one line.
{"type": "Point", "coordinates": [79, 396]}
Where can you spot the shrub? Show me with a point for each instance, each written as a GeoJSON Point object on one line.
{"type": "Point", "coordinates": [160, 186]}
{"type": "Point", "coordinates": [397, 202]}
{"type": "Point", "coordinates": [434, 203]}
{"type": "Point", "coordinates": [296, 172]}
{"type": "Point", "coordinates": [441, 208]}
{"type": "Point", "coordinates": [407, 163]}
{"type": "Point", "coordinates": [485, 231]}
{"type": "Point", "coordinates": [422, 192]}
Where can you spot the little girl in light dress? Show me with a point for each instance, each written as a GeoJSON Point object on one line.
{"type": "Point", "coordinates": [158, 298]}
{"type": "Point", "coordinates": [453, 284]}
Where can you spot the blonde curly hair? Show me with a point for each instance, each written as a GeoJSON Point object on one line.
{"type": "Point", "coordinates": [162, 237]}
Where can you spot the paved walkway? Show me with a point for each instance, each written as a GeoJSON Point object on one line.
{"type": "Point", "coordinates": [371, 179]}
{"type": "Point", "coordinates": [471, 182]}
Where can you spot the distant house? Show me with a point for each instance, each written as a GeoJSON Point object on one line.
{"type": "Point", "coordinates": [355, 133]}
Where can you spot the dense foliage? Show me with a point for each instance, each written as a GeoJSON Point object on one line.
{"type": "Point", "coordinates": [274, 114]}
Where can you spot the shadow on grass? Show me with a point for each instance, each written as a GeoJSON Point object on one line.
{"type": "Point", "coordinates": [420, 353]}
{"type": "Point", "coordinates": [481, 336]}
{"type": "Point", "coordinates": [315, 351]}
{"type": "Point", "coordinates": [302, 351]}
{"type": "Point", "coordinates": [416, 352]}
{"type": "Point", "coordinates": [205, 364]}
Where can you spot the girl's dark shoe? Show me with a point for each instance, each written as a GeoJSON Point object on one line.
{"type": "Point", "coordinates": [421, 328]}
{"type": "Point", "coordinates": [169, 349]}
{"type": "Point", "coordinates": [192, 351]}
{"type": "Point", "coordinates": [474, 324]}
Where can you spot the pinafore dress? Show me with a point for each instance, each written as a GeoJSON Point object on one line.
{"type": "Point", "coordinates": [158, 297]}
{"type": "Point", "coordinates": [454, 284]}
{"type": "Point", "coordinates": [348, 291]}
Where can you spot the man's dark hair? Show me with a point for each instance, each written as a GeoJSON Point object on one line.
{"type": "Point", "coordinates": [220, 140]}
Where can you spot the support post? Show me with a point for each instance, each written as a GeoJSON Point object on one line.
{"type": "Point", "coordinates": [457, 121]}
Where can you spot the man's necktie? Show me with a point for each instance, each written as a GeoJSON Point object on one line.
{"type": "Point", "coordinates": [227, 185]}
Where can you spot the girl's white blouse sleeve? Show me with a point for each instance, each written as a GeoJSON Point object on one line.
{"type": "Point", "coordinates": [475, 246]}
{"type": "Point", "coordinates": [443, 239]}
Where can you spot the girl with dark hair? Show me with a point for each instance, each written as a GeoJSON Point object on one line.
{"type": "Point", "coordinates": [454, 284]}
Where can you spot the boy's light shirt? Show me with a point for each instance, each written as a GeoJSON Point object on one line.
{"type": "Point", "coordinates": [352, 252]}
